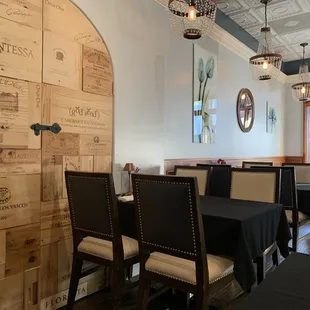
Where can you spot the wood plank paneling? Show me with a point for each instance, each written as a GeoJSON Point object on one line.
{"type": "Point", "coordinates": [21, 51]}
{"type": "Point", "coordinates": [31, 289]}
{"type": "Point", "coordinates": [103, 164]}
{"type": "Point", "coordinates": [11, 293]}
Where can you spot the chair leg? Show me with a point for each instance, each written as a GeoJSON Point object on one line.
{"type": "Point", "coordinates": [202, 301]}
{"type": "Point", "coordinates": [295, 237]}
{"type": "Point", "coordinates": [276, 257]}
{"type": "Point", "coordinates": [261, 269]}
{"type": "Point", "coordinates": [144, 291]}
{"type": "Point", "coordinates": [117, 288]}
{"type": "Point", "coordinates": [74, 281]}
{"type": "Point", "coordinates": [129, 272]}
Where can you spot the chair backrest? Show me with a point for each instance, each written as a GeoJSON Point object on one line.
{"type": "Point", "coordinates": [249, 164]}
{"type": "Point", "coordinates": [201, 173]}
{"type": "Point", "coordinates": [255, 184]}
{"type": "Point", "coordinates": [302, 172]}
{"type": "Point", "coordinates": [219, 180]}
{"type": "Point", "coordinates": [93, 206]}
{"type": "Point", "coordinates": [169, 216]}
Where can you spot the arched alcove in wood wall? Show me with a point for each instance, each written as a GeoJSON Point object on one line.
{"type": "Point", "coordinates": [54, 68]}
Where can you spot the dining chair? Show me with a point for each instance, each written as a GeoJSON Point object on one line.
{"type": "Point", "coordinates": [288, 198]}
{"type": "Point", "coordinates": [249, 164]}
{"type": "Point", "coordinates": [258, 185]}
{"type": "Point", "coordinates": [302, 171]}
{"type": "Point", "coordinates": [219, 180]}
{"type": "Point", "coordinates": [96, 231]}
{"type": "Point", "coordinates": [171, 239]}
{"type": "Point", "coordinates": [201, 173]}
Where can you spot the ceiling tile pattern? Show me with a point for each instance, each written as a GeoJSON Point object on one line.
{"type": "Point", "coordinates": [289, 21]}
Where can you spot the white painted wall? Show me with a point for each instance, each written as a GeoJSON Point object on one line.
{"type": "Point", "coordinates": [153, 89]}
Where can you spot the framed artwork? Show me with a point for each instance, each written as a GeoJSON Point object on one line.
{"type": "Point", "coordinates": [271, 118]}
{"type": "Point", "coordinates": [204, 96]}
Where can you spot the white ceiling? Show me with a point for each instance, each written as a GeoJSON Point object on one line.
{"type": "Point", "coordinates": [289, 21]}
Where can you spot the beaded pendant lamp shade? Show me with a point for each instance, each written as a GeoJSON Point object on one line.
{"type": "Point", "coordinates": [266, 63]}
{"type": "Point", "coordinates": [301, 90]}
{"type": "Point", "coordinates": [192, 19]}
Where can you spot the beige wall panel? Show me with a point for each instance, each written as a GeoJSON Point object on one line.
{"type": "Point", "coordinates": [15, 162]}
{"type": "Point", "coordinates": [76, 163]}
{"type": "Point", "coordinates": [31, 289]}
{"type": "Point", "coordinates": [60, 144]}
{"type": "Point", "coordinates": [102, 164]}
{"type": "Point", "coordinates": [22, 249]}
{"type": "Point", "coordinates": [25, 12]}
{"type": "Point", "coordinates": [96, 144]}
{"type": "Point", "coordinates": [11, 293]}
{"type": "Point", "coordinates": [19, 200]}
{"type": "Point", "coordinates": [52, 180]}
{"type": "Point", "coordinates": [97, 72]}
{"type": "Point", "coordinates": [62, 61]}
{"type": "Point", "coordinates": [77, 111]}
{"type": "Point", "coordinates": [21, 51]}
{"type": "Point", "coordinates": [63, 18]}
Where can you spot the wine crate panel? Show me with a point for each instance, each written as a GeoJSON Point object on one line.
{"type": "Point", "coordinates": [26, 12]}
{"type": "Point", "coordinates": [2, 253]}
{"type": "Point", "coordinates": [11, 293]}
{"type": "Point", "coordinates": [19, 200]}
{"type": "Point", "coordinates": [76, 163]}
{"type": "Point", "coordinates": [62, 62]}
{"type": "Point", "coordinates": [16, 162]}
{"type": "Point", "coordinates": [52, 178]}
{"type": "Point", "coordinates": [31, 289]}
{"type": "Point", "coordinates": [96, 144]}
{"type": "Point", "coordinates": [22, 249]}
{"type": "Point", "coordinates": [21, 51]}
{"type": "Point", "coordinates": [65, 19]}
{"type": "Point", "coordinates": [55, 234]}
{"type": "Point", "coordinates": [60, 144]}
{"type": "Point", "coordinates": [103, 164]}
{"type": "Point", "coordinates": [77, 111]}
{"type": "Point", "coordinates": [18, 112]}
{"type": "Point", "coordinates": [97, 72]}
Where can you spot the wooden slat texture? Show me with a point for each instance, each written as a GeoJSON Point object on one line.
{"type": "Point", "coordinates": [22, 248]}
{"type": "Point", "coordinates": [15, 162]}
{"type": "Point", "coordinates": [62, 62]}
{"type": "Point", "coordinates": [2, 253]}
{"type": "Point", "coordinates": [31, 289]}
{"type": "Point", "coordinates": [102, 164]}
{"type": "Point", "coordinates": [19, 200]}
{"type": "Point", "coordinates": [11, 293]}
{"type": "Point", "coordinates": [63, 18]}
{"type": "Point", "coordinates": [97, 72]}
{"type": "Point", "coordinates": [21, 51]}
{"type": "Point", "coordinates": [52, 178]}
{"type": "Point", "coordinates": [76, 111]}
{"type": "Point", "coordinates": [96, 144]}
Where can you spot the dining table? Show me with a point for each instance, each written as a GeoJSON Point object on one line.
{"type": "Point", "coordinates": [239, 229]}
{"type": "Point", "coordinates": [287, 288]}
{"type": "Point", "coordinates": [303, 196]}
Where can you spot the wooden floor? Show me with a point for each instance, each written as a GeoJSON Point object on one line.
{"type": "Point", "coordinates": [168, 301]}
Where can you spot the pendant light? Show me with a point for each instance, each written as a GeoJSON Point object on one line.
{"type": "Point", "coordinates": [266, 63]}
{"type": "Point", "coordinates": [192, 19]}
{"type": "Point", "coordinates": [301, 90]}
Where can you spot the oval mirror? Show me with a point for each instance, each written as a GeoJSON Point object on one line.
{"type": "Point", "coordinates": [245, 110]}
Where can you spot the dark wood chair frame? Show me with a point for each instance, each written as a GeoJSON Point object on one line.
{"type": "Point", "coordinates": [202, 289]}
{"type": "Point", "coordinates": [261, 260]}
{"type": "Point", "coordinates": [118, 265]}
{"type": "Point", "coordinates": [209, 168]}
{"type": "Point", "coordinates": [257, 163]}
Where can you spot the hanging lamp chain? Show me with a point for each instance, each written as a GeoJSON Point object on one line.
{"type": "Point", "coordinates": [266, 16]}
{"type": "Point", "coordinates": [303, 55]}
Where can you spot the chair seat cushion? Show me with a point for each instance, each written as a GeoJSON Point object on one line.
{"type": "Point", "coordinates": [301, 216]}
{"type": "Point", "coordinates": [185, 270]}
{"type": "Point", "coordinates": [104, 248]}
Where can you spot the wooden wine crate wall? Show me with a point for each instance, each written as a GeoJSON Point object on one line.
{"type": "Point", "coordinates": [54, 68]}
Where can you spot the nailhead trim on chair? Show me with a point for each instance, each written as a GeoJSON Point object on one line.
{"type": "Point", "coordinates": [137, 199]}
{"type": "Point", "coordinates": [109, 205]}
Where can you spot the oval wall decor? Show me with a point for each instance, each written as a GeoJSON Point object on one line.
{"type": "Point", "coordinates": [245, 110]}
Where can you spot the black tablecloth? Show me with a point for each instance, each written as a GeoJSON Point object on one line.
{"type": "Point", "coordinates": [287, 288]}
{"type": "Point", "coordinates": [243, 230]}
{"type": "Point", "coordinates": [240, 229]}
{"type": "Point", "coordinates": [303, 192]}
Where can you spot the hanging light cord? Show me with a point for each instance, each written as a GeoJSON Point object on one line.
{"type": "Point", "coordinates": [266, 22]}
{"type": "Point", "coordinates": [266, 17]}
{"type": "Point", "coordinates": [303, 55]}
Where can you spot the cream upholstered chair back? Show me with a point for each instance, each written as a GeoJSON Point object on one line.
{"type": "Point", "coordinates": [302, 172]}
{"type": "Point", "coordinates": [249, 164]}
{"type": "Point", "coordinates": [201, 173]}
{"type": "Point", "coordinates": [255, 184]}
